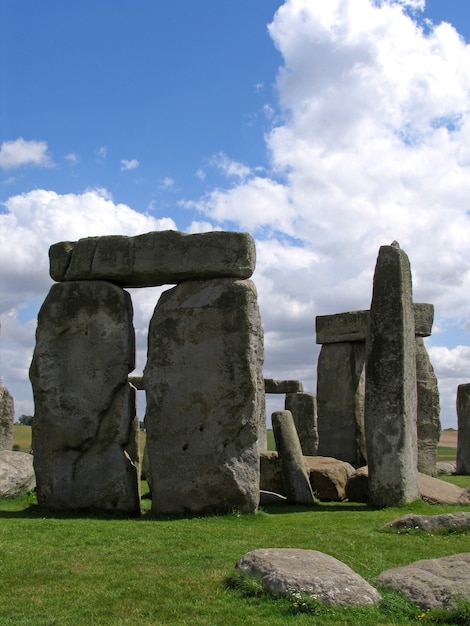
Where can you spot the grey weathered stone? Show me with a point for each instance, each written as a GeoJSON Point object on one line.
{"type": "Point", "coordinates": [294, 473]}
{"type": "Point", "coordinates": [84, 405]}
{"type": "Point", "coordinates": [7, 417]}
{"type": "Point", "coordinates": [428, 422]}
{"type": "Point", "coordinates": [16, 474]}
{"type": "Point", "coordinates": [463, 436]}
{"type": "Point", "coordinates": [270, 472]}
{"type": "Point", "coordinates": [446, 521]}
{"type": "Point", "coordinates": [205, 397]}
{"type": "Point", "coordinates": [288, 571]}
{"type": "Point", "coordinates": [137, 382]}
{"type": "Point", "coordinates": [328, 477]}
{"type": "Point", "coordinates": [431, 489]}
{"type": "Point", "coordinates": [391, 391]}
{"type": "Point", "coordinates": [352, 325]}
{"type": "Point", "coordinates": [303, 407]}
{"type": "Point", "coordinates": [446, 467]}
{"type": "Point", "coordinates": [282, 386]}
{"type": "Point", "coordinates": [155, 258]}
{"type": "Point", "coordinates": [340, 402]}
{"type": "Point", "coordinates": [433, 583]}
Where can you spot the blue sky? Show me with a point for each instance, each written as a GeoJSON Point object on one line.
{"type": "Point", "coordinates": [326, 129]}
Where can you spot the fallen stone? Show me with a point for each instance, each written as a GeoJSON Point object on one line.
{"type": "Point", "coordinates": [282, 386]}
{"type": "Point", "coordinates": [357, 487]}
{"type": "Point", "coordinates": [16, 474]}
{"type": "Point", "coordinates": [155, 258]}
{"type": "Point", "coordinates": [438, 491]}
{"type": "Point", "coordinates": [428, 523]}
{"type": "Point", "coordinates": [433, 490]}
{"type": "Point", "coordinates": [433, 583]}
{"type": "Point", "coordinates": [328, 477]}
{"type": "Point", "coordinates": [293, 466]}
{"type": "Point", "coordinates": [287, 571]}
{"type": "Point", "coordinates": [445, 467]}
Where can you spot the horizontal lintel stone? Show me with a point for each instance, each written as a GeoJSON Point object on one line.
{"type": "Point", "coordinates": [155, 258]}
{"type": "Point", "coordinates": [282, 386]}
{"type": "Point", "coordinates": [352, 326]}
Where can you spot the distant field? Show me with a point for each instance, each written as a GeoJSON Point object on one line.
{"type": "Point", "coordinates": [446, 451]}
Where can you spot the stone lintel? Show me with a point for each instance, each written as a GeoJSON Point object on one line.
{"type": "Point", "coordinates": [352, 326]}
{"type": "Point", "coordinates": [282, 386]}
{"type": "Point", "coordinates": [155, 258]}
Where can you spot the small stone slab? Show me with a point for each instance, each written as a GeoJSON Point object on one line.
{"type": "Point", "coordinates": [454, 521]}
{"type": "Point", "coordinates": [156, 258]}
{"type": "Point", "coordinates": [282, 386]}
{"type": "Point", "coordinates": [432, 583]}
{"type": "Point", "coordinates": [328, 477]}
{"type": "Point", "coordinates": [288, 571]}
{"type": "Point", "coordinates": [352, 326]}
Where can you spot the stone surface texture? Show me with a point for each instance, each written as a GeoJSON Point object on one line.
{"type": "Point", "coordinates": [288, 571]}
{"type": "Point", "coordinates": [428, 523]}
{"type": "Point", "coordinates": [329, 477]}
{"type": "Point", "coordinates": [303, 407]}
{"type": "Point", "coordinates": [391, 389]}
{"type": "Point", "coordinates": [205, 397]}
{"type": "Point", "coordinates": [428, 411]}
{"type": "Point", "coordinates": [293, 466]}
{"type": "Point", "coordinates": [155, 258]}
{"type": "Point", "coordinates": [16, 474]}
{"type": "Point", "coordinates": [84, 405]}
{"type": "Point", "coordinates": [463, 437]}
{"type": "Point", "coordinates": [270, 472]}
{"type": "Point", "coordinates": [340, 402]}
{"type": "Point", "coordinates": [432, 583]}
{"type": "Point", "coordinates": [7, 417]}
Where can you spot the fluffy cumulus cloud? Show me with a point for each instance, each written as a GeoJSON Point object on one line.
{"type": "Point", "coordinates": [20, 152]}
{"type": "Point", "coordinates": [29, 224]}
{"type": "Point", "coordinates": [371, 145]}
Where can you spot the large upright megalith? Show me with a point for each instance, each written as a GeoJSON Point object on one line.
{"type": "Point", "coordinates": [84, 405]}
{"type": "Point", "coordinates": [391, 393]}
{"type": "Point", "coordinates": [463, 441]}
{"type": "Point", "coordinates": [205, 396]}
{"type": "Point", "coordinates": [428, 411]}
{"type": "Point", "coordinates": [7, 416]}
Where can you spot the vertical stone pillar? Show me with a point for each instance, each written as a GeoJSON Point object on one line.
{"type": "Point", "coordinates": [428, 424]}
{"type": "Point", "coordinates": [294, 471]}
{"type": "Point", "coordinates": [7, 417]}
{"type": "Point", "coordinates": [84, 405]}
{"type": "Point", "coordinates": [303, 407]}
{"type": "Point", "coordinates": [391, 393]}
{"type": "Point", "coordinates": [340, 402]}
{"type": "Point", "coordinates": [205, 391]}
{"type": "Point", "coordinates": [463, 441]}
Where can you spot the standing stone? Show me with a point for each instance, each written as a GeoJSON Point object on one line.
{"type": "Point", "coordinates": [463, 436]}
{"type": "Point", "coordinates": [7, 416]}
{"type": "Point", "coordinates": [340, 402]}
{"type": "Point", "coordinates": [205, 397]}
{"type": "Point", "coordinates": [303, 407]}
{"type": "Point", "coordinates": [294, 470]}
{"type": "Point", "coordinates": [429, 425]}
{"type": "Point", "coordinates": [84, 405]}
{"type": "Point", "coordinates": [391, 394]}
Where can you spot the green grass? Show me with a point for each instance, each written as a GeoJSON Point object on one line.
{"type": "Point", "coordinates": [72, 569]}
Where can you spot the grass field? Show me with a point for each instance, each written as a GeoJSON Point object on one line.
{"type": "Point", "coordinates": [75, 569]}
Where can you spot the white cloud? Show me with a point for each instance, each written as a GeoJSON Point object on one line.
{"type": "Point", "coordinates": [167, 183]}
{"type": "Point", "coordinates": [131, 164]}
{"type": "Point", "coordinates": [229, 167]}
{"type": "Point", "coordinates": [20, 152]}
{"type": "Point", "coordinates": [72, 158]}
{"type": "Point", "coordinates": [101, 154]}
